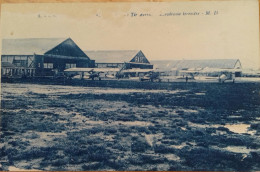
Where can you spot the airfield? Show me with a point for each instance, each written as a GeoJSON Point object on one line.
{"type": "Point", "coordinates": [131, 82]}
{"type": "Point", "coordinates": [165, 126]}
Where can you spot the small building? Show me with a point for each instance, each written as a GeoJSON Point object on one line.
{"type": "Point", "coordinates": [174, 67]}
{"type": "Point", "coordinates": [41, 56]}
{"type": "Point", "coordinates": [120, 58]}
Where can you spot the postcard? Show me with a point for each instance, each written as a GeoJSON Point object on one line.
{"type": "Point", "coordinates": [130, 86]}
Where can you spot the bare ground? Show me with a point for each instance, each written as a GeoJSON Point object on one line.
{"type": "Point", "coordinates": [203, 127]}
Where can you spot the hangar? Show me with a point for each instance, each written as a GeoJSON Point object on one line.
{"type": "Point", "coordinates": [120, 58]}
{"type": "Point", "coordinates": [175, 67]}
{"type": "Point", "coordinates": [41, 56]}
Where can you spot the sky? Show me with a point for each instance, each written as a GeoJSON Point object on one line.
{"type": "Point", "coordinates": [162, 30]}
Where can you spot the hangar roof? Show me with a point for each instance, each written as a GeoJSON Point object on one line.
{"type": "Point", "coordinates": [112, 56]}
{"type": "Point", "coordinates": [29, 46]}
{"type": "Point", "coordinates": [189, 64]}
{"type": "Point", "coordinates": [41, 46]}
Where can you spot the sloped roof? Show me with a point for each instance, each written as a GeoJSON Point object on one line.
{"type": "Point", "coordinates": [188, 64]}
{"type": "Point", "coordinates": [29, 46]}
{"type": "Point", "coordinates": [112, 56]}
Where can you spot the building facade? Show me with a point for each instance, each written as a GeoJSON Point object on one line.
{"type": "Point", "coordinates": [41, 56]}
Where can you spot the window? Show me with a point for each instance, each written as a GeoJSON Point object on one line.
{"type": "Point", "coordinates": [48, 65]}
{"type": "Point", "coordinates": [20, 63]}
{"type": "Point", "coordinates": [23, 58]}
{"type": "Point", "coordinates": [112, 65]}
{"type": "Point", "coordinates": [4, 59]}
{"type": "Point", "coordinates": [7, 59]}
{"type": "Point", "coordinates": [70, 65]}
{"type": "Point", "coordinates": [10, 59]}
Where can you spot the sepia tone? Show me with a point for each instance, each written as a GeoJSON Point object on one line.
{"type": "Point", "coordinates": [130, 86]}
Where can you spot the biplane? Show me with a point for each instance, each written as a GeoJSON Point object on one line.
{"type": "Point", "coordinates": [211, 74]}
{"type": "Point", "coordinates": [151, 76]}
{"type": "Point", "coordinates": [91, 73]}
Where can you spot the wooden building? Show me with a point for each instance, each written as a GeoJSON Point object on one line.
{"type": "Point", "coordinates": [120, 58]}
{"type": "Point", "coordinates": [41, 56]}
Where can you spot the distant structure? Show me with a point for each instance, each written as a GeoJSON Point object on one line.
{"type": "Point", "coordinates": [41, 56]}
{"type": "Point", "coordinates": [175, 67]}
{"type": "Point", "coordinates": [120, 58]}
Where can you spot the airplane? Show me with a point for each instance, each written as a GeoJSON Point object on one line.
{"type": "Point", "coordinates": [110, 73]}
{"type": "Point", "coordinates": [93, 74]}
{"type": "Point", "coordinates": [89, 73]}
{"type": "Point", "coordinates": [222, 75]}
{"type": "Point", "coordinates": [151, 76]}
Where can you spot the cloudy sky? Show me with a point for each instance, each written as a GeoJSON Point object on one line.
{"type": "Point", "coordinates": [162, 30]}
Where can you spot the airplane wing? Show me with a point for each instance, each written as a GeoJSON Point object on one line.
{"type": "Point", "coordinates": [79, 77]}
{"type": "Point", "coordinates": [189, 71]}
{"type": "Point", "coordinates": [92, 69]}
{"type": "Point", "coordinates": [211, 70]}
{"type": "Point", "coordinates": [137, 70]}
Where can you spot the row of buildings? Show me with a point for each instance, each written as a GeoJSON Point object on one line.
{"type": "Point", "coordinates": [49, 56]}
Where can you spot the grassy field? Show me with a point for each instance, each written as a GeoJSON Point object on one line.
{"type": "Point", "coordinates": [184, 127]}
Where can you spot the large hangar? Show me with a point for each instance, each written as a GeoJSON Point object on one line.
{"type": "Point", "coordinates": [41, 56]}
{"type": "Point", "coordinates": [175, 67]}
{"type": "Point", "coordinates": [120, 58]}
